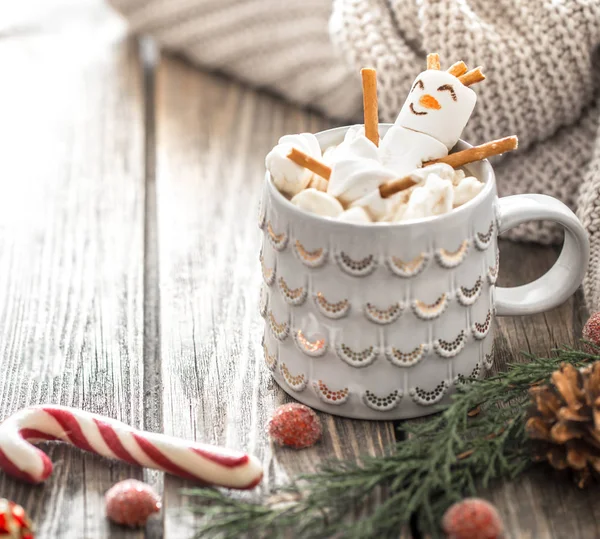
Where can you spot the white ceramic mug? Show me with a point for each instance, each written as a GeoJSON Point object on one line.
{"type": "Point", "coordinates": [381, 321]}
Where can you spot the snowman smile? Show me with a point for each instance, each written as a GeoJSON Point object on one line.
{"type": "Point", "coordinates": [412, 109]}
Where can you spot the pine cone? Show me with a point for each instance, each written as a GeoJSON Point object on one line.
{"type": "Point", "coordinates": [566, 421]}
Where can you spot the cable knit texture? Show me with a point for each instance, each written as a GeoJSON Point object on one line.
{"type": "Point", "coordinates": [279, 45]}
{"type": "Point", "coordinates": [539, 57]}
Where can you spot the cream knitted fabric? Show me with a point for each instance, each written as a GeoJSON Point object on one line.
{"type": "Point", "coordinates": [540, 65]}
{"type": "Point", "coordinates": [538, 56]}
{"type": "Point", "coordinates": [283, 46]}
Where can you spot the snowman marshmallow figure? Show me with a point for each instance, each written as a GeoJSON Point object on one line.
{"type": "Point", "coordinates": [432, 118]}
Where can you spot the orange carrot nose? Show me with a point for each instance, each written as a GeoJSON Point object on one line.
{"type": "Point", "coordinates": [429, 102]}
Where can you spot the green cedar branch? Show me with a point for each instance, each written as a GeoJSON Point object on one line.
{"type": "Point", "coordinates": [446, 458]}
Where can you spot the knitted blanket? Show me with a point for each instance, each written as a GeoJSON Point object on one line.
{"type": "Point", "coordinates": [540, 59]}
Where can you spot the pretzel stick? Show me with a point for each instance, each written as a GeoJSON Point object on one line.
{"type": "Point", "coordinates": [433, 61]}
{"type": "Point", "coordinates": [369, 83]}
{"type": "Point", "coordinates": [471, 77]}
{"type": "Point", "coordinates": [392, 187]}
{"type": "Point", "coordinates": [300, 158]}
{"type": "Point", "coordinates": [407, 184]}
{"type": "Point", "coordinates": [477, 153]}
{"type": "Point", "coordinates": [457, 69]}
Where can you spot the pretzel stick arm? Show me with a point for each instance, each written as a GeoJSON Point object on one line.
{"type": "Point", "coordinates": [477, 153]}
{"type": "Point", "coordinates": [392, 187]}
{"type": "Point", "coordinates": [471, 77]}
{"type": "Point", "coordinates": [369, 82]}
{"type": "Point", "coordinates": [458, 69]}
{"type": "Point", "coordinates": [433, 61]}
{"type": "Point", "coordinates": [306, 161]}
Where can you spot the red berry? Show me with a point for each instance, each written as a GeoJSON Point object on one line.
{"type": "Point", "coordinates": [131, 502]}
{"type": "Point", "coordinates": [472, 518]}
{"type": "Point", "coordinates": [591, 330]}
{"type": "Point", "coordinates": [295, 425]}
{"type": "Point", "coordinates": [14, 522]}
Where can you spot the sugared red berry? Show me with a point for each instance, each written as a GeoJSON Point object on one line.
{"type": "Point", "coordinates": [472, 518]}
{"type": "Point", "coordinates": [14, 522]}
{"type": "Point", "coordinates": [295, 425]}
{"type": "Point", "coordinates": [591, 330]}
{"type": "Point", "coordinates": [131, 502]}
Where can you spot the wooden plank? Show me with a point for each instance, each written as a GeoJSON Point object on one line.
{"type": "Point", "coordinates": [212, 138]}
{"type": "Point", "coordinates": [540, 333]}
{"type": "Point", "coordinates": [540, 504]}
{"type": "Point", "coordinates": [71, 251]}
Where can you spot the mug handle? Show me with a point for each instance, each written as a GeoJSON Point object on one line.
{"type": "Point", "coordinates": [565, 276]}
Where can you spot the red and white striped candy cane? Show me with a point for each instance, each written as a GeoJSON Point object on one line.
{"type": "Point", "coordinates": [110, 438]}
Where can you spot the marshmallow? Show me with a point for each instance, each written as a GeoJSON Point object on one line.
{"type": "Point", "coordinates": [399, 212]}
{"type": "Point", "coordinates": [444, 171]}
{"type": "Point", "coordinates": [318, 183]}
{"type": "Point", "coordinates": [403, 150]}
{"type": "Point", "coordinates": [317, 202]}
{"type": "Point", "coordinates": [289, 177]}
{"type": "Point", "coordinates": [329, 155]}
{"type": "Point", "coordinates": [355, 215]}
{"type": "Point", "coordinates": [355, 144]}
{"type": "Point", "coordinates": [435, 197]}
{"type": "Point", "coordinates": [467, 189]}
{"type": "Point", "coordinates": [375, 206]}
{"type": "Point", "coordinates": [354, 178]}
{"type": "Point", "coordinates": [438, 105]}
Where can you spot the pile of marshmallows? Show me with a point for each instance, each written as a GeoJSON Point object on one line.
{"type": "Point", "coordinates": [409, 175]}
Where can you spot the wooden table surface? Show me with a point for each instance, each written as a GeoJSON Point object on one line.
{"type": "Point", "coordinates": [129, 185]}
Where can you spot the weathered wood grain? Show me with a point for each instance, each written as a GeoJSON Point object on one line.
{"type": "Point", "coordinates": [71, 254]}
{"type": "Point", "coordinates": [212, 137]}
{"type": "Point", "coordinates": [540, 504]}
{"type": "Point", "coordinates": [129, 275]}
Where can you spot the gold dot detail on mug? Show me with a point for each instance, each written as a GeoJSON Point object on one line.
{"type": "Point", "coordinates": [427, 398]}
{"type": "Point", "coordinates": [383, 316]}
{"type": "Point", "coordinates": [382, 404]}
{"type": "Point", "coordinates": [311, 259]}
{"type": "Point", "coordinates": [278, 241]}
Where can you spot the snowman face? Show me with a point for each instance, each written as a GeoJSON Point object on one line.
{"type": "Point", "coordinates": [438, 105]}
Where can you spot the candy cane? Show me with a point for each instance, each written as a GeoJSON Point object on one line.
{"type": "Point", "coordinates": [110, 438]}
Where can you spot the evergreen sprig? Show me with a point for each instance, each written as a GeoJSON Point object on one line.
{"type": "Point", "coordinates": [444, 459]}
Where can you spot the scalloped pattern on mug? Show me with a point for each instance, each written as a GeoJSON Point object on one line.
{"type": "Point", "coordinates": [296, 382]}
{"type": "Point", "coordinates": [262, 214]}
{"type": "Point", "coordinates": [451, 259]}
{"type": "Point", "coordinates": [383, 316]}
{"type": "Point", "coordinates": [408, 269]}
{"type": "Point", "coordinates": [430, 311]}
{"type": "Point", "coordinates": [382, 404]}
{"type": "Point", "coordinates": [406, 359]}
{"type": "Point", "coordinates": [475, 373]}
{"type": "Point", "coordinates": [263, 301]}
{"type": "Point", "coordinates": [330, 396]}
{"type": "Point", "coordinates": [356, 268]}
{"type": "Point", "coordinates": [267, 273]}
{"type": "Point", "coordinates": [357, 359]}
{"type": "Point", "coordinates": [483, 240]}
{"type": "Point", "coordinates": [292, 296]}
{"type": "Point", "coordinates": [280, 330]}
{"type": "Point", "coordinates": [427, 398]}
{"type": "Point", "coordinates": [312, 259]}
{"type": "Point", "coordinates": [480, 330]}
{"type": "Point", "coordinates": [488, 361]}
{"type": "Point", "coordinates": [492, 273]}
{"type": "Point", "coordinates": [314, 348]}
{"type": "Point", "coordinates": [452, 348]}
{"type": "Point", "coordinates": [270, 359]}
{"type": "Point", "coordinates": [335, 310]}
{"type": "Point", "coordinates": [278, 241]}
{"type": "Point", "coordinates": [468, 296]}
